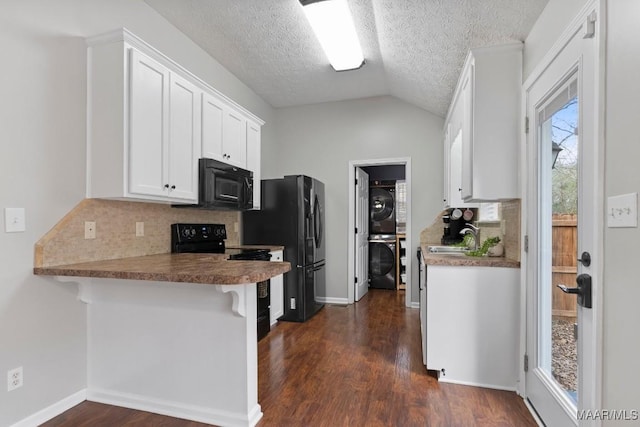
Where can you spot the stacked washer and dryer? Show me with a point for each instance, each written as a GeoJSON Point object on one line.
{"type": "Point", "coordinates": [382, 235]}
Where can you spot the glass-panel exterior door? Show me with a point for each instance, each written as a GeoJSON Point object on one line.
{"type": "Point", "coordinates": [558, 167]}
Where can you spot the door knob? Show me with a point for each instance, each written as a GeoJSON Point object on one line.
{"type": "Point", "coordinates": [585, 259]}
{"type": "Point", "coordinates": [583, 290]}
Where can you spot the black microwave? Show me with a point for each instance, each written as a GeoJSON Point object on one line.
{"type": "Point", "coordinates": [224, 186]}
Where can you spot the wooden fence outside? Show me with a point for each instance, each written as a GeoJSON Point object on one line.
{"type": "Point", "coordinates": [564, 264]}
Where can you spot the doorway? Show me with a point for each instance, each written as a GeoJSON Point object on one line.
{"type": "Point", "coordinates": [380, 227]}
{"type": "Point", "coordinates": [563, 223]}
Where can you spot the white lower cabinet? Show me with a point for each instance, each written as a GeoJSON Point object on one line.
{"type": "Point", "coordinates": [277, 292]}
{"type": "Point", "coordinates": [472, 325]}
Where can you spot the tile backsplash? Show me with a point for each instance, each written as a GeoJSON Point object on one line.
{"type": "Point", "coordinates": [116, 231]}
{"type": "Point", "coordinates": [510, 214]}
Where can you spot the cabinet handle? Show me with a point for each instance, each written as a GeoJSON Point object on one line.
{"type": "Point", "coordinates": [173, 187]}
{"type": "Point", "coordinates": [460, 190]}
{"type": "Point", "coordinates": [166, 186]}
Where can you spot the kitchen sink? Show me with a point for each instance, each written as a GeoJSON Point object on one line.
{"type": "Point", "coordinates": [451, 250]}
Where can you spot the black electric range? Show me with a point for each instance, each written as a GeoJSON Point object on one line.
{"type": "Point", "coordinates": [209, 238]}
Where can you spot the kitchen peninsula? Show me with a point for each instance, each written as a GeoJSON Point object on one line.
{"type": "Point", "coordinates": [173, 334]}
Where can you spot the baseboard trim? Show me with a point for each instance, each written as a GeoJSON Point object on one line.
{"type": "Point", "coordinates": [53, 411]}
{"type": "Point", "coordinates": [176, 409]}
{"type": "Point", "coordinates": [473, 384]}
{"type": "Point", "coordinates": [330, 300]}
{"type": "Point", "coordinates": [415, 304]}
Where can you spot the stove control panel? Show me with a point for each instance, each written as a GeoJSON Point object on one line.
{"type": "Point", "coordinates": [194, 233]}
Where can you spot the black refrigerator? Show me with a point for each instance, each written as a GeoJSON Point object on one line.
{"type": "Point", "coordinates": [292, 215]}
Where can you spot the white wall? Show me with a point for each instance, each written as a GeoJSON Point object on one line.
{"type": "Point", "coordinates": [320, 140]}
{"type": "Point", "coordinates": [621, 375]}
{"type": "Point", "coordinates": [622, 252]}
{"type": "Point", "coordinates": [555, 17]}
{"type": "Point", "coordinates": [42, 167]}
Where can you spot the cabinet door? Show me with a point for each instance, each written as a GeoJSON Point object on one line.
{"type": "Point", "coordinates": [446, 190]}
{"type": "Point", "coordinates": [148, 123]}
{"type": "Point", "coordinates": [467, 134]}
{"type": "Point", "coordinates": [234, 137]}
{"type": "Point", "coordinates": [212, 122]}
{"type": "Point", "coordinates": [455, 170]}
{"type": "Point", "coordinates": [253, 159]}
{"type": "Point", "coordinates": [184, 139]}
{"type": "Point", "coordinates": [276, 310]}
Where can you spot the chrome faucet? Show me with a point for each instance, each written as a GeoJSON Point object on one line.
{"type": "Point", "coordinates": [475, 231]}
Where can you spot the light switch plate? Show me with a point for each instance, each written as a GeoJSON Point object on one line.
{"type": "Point", "coordinates": [14, 220]}
{"type": "Point", "coordinates": [622, 211]}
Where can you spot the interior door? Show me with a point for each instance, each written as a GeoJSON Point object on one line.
{"type": "Point", "coordinates": [362, 234]}
{"type": "Point", "coordinates": [562, 209]}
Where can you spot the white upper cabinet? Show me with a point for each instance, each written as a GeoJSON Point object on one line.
{"type": "Point", "coordinates": [234, 138]}
{"type": "Point", "coordinates": [212, 120]}
{"type": "Point", "coordinates": [163, 143]}
{"type": "Point", "coordinates": [485, 112]}
{"type": "Point", "coordinates": [184, 139]}
{"type": "Point", "coordinates": [253, 158]}
{"type": "Point", "coordinates": [224, 132]}
{"type": "Point", "coordinates": [453, 171]}
{"type": "Point", "coordinates": [149, 115]}
{"type": "Point", "coordinates": [150, 120]}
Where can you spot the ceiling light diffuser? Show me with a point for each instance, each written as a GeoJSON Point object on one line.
{"type": "Point", "coordinates": [333, 25]}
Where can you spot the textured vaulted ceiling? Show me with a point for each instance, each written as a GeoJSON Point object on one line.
{"type": "Point", "coordinates": [414, 49]}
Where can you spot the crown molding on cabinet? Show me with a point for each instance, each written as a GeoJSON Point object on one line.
{"type": "Point", "coordinates": [126, 36]}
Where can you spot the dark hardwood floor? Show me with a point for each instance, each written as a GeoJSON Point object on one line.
{"type": "Point", "coordinates": [359, 365]}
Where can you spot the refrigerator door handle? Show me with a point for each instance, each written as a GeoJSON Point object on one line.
{"type": "Point", "coordinates": [319, 267]}
{"type": "Point", "coordinates": [317, 222]}
{"type": "Point", "coordinates": [315, 267]}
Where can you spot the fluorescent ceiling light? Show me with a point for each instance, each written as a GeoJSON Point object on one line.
{"type": "Point", "coordinates": [332, 22]}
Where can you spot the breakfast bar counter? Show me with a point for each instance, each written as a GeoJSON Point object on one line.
{"type": "Point", "coordinates": [173, 334]}
{"type": "Point", "coordinates": [208, 268]}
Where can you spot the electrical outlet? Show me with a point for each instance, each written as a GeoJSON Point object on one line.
{"type": "Point", "coordinates": [14, 379]}
{"type": "Point", "coordinates": [89, 230]}
{"type": "Point", "coordinates": [140, 229]}
{"type": "Point", "coordinates": [292, 303]}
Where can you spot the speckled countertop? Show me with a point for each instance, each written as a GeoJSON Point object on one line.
{"type": "Point", "coordinates": [463, 260]}
{"type": "Point", "coordinates": [211, 269]}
